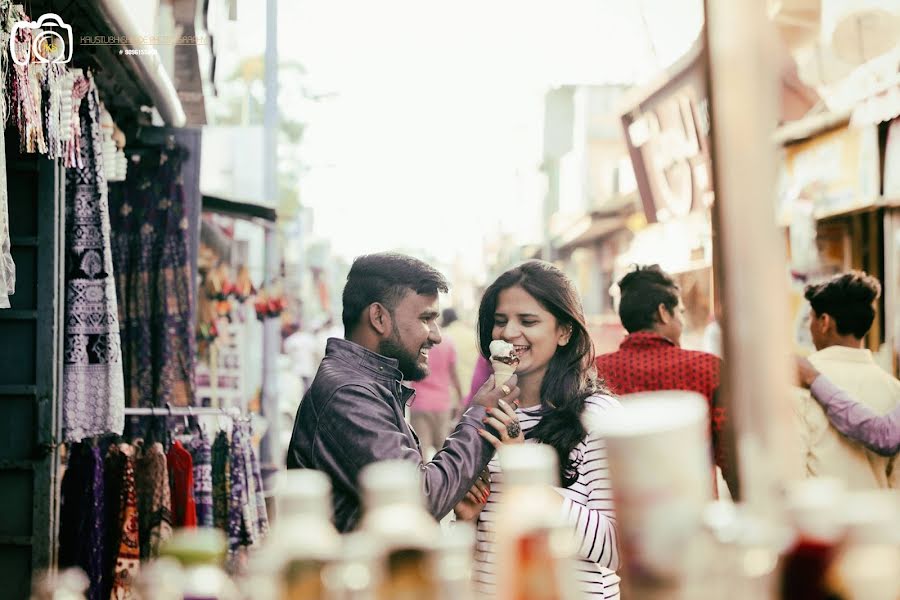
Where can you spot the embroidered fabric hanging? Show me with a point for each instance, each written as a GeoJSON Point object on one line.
{"type": "Point", "coordinates": [27, 95]}
{"type": "Point", "coordinates": [93, 394]}
{"type": "Point", "coordinates": [247, 519]}
{"type": "Point", "coordinates": [221, 480]}
{"type": "Point", "coordinates": [155, 282]}
{"type": "Point", "coordinates": [123, 542]}
{"type": "Point", "coordinates": [7, 266]}
{"type": "Point", "coordinates": [262, 515]}
{"type": "Point", "coordinates": [83, 517]}
{"type": "Point", "coordinates": [201, 453]}
{"type": "Point", "coordinates": [154, 500]}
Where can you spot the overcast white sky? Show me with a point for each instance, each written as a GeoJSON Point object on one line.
{"type": "Point", "coordinates": [434, 136]}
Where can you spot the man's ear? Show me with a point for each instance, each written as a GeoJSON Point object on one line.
{"type": "Point", "coordinates": [828, 324]}
{"type": "Point", "coordinates": [379, 318]}
{"type": "Point", "coordinates": [663, 314]}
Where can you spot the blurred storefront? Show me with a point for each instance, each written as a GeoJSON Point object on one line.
{"type": "Point", "coordinates": [590, 198]}
{"type": "Point", "coordinates": [667, 133]}
{"type": "Point", "coordinates": [839, 198]}
{"type": "Point", "coordinates": [101, 171]}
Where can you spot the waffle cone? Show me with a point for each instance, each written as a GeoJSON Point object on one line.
{"type": "Point", "coordinates": [502, 372]}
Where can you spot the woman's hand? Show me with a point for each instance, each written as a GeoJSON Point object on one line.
{"type": "Point", "coordinates": [505, 424]}
{"type": "Point", "coordinates": [470, 506]}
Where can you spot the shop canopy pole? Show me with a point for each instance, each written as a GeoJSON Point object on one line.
{"type": "Point", "coordinates": [272, 456]}
{"type": "Point", "coordinates": [758, 361]}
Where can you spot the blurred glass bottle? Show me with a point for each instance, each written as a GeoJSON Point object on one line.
{"type": "Point", "coordinates": [356, 574]}
{"type": "Point", "coordinates": [867, 566]}
{"type": "Point", "coordinates": [201, 552]}
{"type": "Point", "coordinates": [159, 579]}
{"type": "Point", "coordinates": [396, 519]}
{"type": "Point", "coordinates": [534, 545]}
{"type": "Point", "coordinates": [303, 539]}
{"type": "Point", "coordinates": [815, 508]}
{"type": "Point", "coordinates": [453, 561]}
{"type": "Point", "coordinates": [68, 584]}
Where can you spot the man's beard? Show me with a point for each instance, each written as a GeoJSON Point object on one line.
{"type": "Point", "coordinates": [409, 363]}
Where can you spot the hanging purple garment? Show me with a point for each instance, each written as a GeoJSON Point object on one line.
{"type": "Point", "coordinates": [201, 453]}
{"type": "Point", "coordinates": [82, 535]}
{"type": "Point", "coordinates": [154, 281]}
{"type": "Point", "coordinates": [259, 497]}
{"type": "Point", "coordinates": [239, 499]}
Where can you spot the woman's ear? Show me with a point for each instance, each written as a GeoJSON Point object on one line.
{"type": "Point", "coordinates": [565, 336]}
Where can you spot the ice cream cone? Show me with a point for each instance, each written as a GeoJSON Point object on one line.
{"type": "Point", "coordinates": [502, 372]}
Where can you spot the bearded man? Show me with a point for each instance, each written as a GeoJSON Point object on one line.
{"type": "Point", "coordinates": [354, 412]}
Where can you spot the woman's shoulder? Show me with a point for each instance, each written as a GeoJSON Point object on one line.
{"type": "Point", "coordinates": [601, 402]}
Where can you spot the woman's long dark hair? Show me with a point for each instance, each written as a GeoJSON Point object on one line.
{"type": "Point", "coordinates": [571, 376]}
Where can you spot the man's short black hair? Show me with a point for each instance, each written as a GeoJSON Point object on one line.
{"type": "Point", "coordinates": [849, 299]}
{"type": "Point", "coordinates": [642, 291]}
{"type": "Point", "coordinates": [386, 277]}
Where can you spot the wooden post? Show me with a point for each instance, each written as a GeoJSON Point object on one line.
{"type": "Point", "coordinates": [753, 273]}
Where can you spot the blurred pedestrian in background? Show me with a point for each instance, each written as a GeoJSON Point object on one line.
{"type": "Point", "coordinates": [466, 341]}
{"type": "Point", "coordinates": [438, 398]}
{"type": "Point", "coordinates": [300, 346]}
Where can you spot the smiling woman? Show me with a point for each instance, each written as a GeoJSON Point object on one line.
{"type": "Point", "coordinates": [536, 308]}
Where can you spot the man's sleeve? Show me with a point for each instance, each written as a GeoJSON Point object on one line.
{"type": "Point", "coordinates": [352, 438]}
{"type": "Point", "coordinates": [880, 433]}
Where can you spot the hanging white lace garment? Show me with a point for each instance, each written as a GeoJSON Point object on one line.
{"type": "Point", "coordinates": [7, 266]}
{"type": "Point", "coordinates": [94, 390]}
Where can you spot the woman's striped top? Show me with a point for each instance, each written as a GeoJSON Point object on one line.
{"type": "Point", "coordinates": [587, 505]}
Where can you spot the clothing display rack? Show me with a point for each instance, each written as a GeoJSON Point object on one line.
{"type": "Point", "coordinates": [184, 411]}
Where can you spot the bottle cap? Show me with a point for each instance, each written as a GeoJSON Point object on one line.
{"type": "Point", "coordinates": [529, 464]}
{"type": "Point", "coordinates": [303, 492]}
{"type": "Point", "coordinates": [200, 545]}
{"type": "Point", "coordinates": [391, 482]}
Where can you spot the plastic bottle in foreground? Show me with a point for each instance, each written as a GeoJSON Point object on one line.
{"type": "Point", "coordinates": [453, 562]}
{"type": "Point", "coordinates": [534, 544]}
{"type": "Point", "coordinates": [303, 539]}
{"type": "Point", "coordinates": [868, 564]}
{"type": "Point", "coordinates": [403, 530]}
{"type": "Point", "coordinates": [357, 574]}
{"type": "Point", "coordinates": [201, 552]}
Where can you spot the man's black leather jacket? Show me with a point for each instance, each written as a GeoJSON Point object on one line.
{"type": "Point", "coordinates": [353, 415]}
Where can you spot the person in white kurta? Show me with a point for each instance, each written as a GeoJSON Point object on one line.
{"type": "Point", "coordinates": [842, 312]}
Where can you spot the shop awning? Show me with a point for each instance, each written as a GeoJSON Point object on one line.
{"type": "Point", "coordinates": [127, 81]}
{"type": "Point", "coordinates": [237, 209]}
{"type": "Point", "coordinates": [598, 224]}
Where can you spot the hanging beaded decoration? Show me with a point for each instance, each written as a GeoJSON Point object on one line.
{"type": "Point", "coordinates": [80, 88]}
{"type": "Point", "coordinates": [26, 87]}
{"type": "Point", "coordinates": [54, 76]}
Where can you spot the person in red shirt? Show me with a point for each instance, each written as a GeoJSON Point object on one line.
{"type": "Point", "coordinates": [650, 358]}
